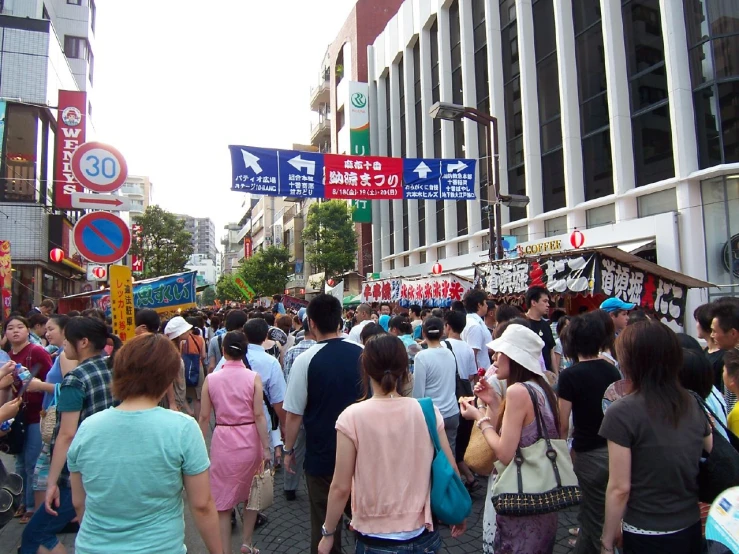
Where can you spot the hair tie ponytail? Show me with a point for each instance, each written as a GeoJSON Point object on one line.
{"type": "Point", "coordinates": [388, 372]}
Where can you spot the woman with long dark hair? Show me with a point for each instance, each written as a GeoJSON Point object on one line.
{"type": "Point", "coordinates": [511, 423]}
{"type": "Point", "coordinates": [656, 436]}
{"type": "Point", "coordinates": [34, 358]}
{"type": "Point", "coordinates": [381, 442]}
{"type": "Point", "coordinates": [84, 391]}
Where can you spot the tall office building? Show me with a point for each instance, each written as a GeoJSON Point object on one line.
{"type": "Point", "coordinates": [616, 117]}
{"type": "Point", "coordinates": [203, 236]}
{"type": "Point", "coordinates": [45, 46]}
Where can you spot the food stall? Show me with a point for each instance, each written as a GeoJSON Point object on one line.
{"type": "Point", "coordinates": [434, 291]}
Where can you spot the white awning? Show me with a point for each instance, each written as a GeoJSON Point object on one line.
{"type": "Point", "coordinates": [636, 246]}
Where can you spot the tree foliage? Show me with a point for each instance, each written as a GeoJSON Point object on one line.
{"type": "Point", "coordinates": [227, 291]}
{"type": "Point", "coordinates": [267, 270]}
{"type": "Point", "coordinates": [163, 244]}
{"type": "Point", "coordinates": [330, 239]}
{"type": "Point", "coordinates": [208, 297]}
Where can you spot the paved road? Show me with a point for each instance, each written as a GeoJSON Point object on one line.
{"type": "Point", "coordinates": [288, 529]}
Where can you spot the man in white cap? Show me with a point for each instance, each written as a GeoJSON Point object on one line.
{"type": "Point", "coordinates": [619, 312]}
{"type": "Point", "coordinates": [180, 332]}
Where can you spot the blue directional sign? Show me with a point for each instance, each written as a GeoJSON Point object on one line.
{"type": "Point", "coordinates": [434, 179]}
{"type": "Point", "coordinates": [271, 172]}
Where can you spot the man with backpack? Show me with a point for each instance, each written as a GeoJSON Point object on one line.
{"type": "Point", "coordinates": [235, 321]}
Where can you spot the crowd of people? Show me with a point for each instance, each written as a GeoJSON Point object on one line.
{"type": "Point", "coordinates": [112, 434]}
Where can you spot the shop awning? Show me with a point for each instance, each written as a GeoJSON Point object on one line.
{"type": "Point", "coordinates": [607, 271]}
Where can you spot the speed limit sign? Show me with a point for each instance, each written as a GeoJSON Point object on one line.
{"type": "Point", "coordinates": [99, 167]}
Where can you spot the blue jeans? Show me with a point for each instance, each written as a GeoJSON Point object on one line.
{"type": "Point", "coordinates": [43, 527]}
{"type": "Point", "coordinates": [25, 462]}
{"type": "Point", "coordinates": [425, 544]}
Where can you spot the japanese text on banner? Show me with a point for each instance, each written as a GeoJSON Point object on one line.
{"type": "Point", "coordinates": [363, 177]}
{"type": "Point", "coordinates": [121, 302]}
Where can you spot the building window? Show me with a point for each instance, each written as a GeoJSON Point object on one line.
{"type": "Point", "coordinates": [657, 203]}
{"type": "Point", "coordinates": [406, 261]}
{"type": "Point", "coordinates": [435, 97]}
{"type": "Point", "coordinates": [521, 233]}
{"type": "Point", "coordinates": [650, 115]}
{"type": "Point", "coordinates": [720, 204]}
{"type": "Point", "coordinates": [603, 215]}
{"type": "Point", "coordinates": [406, 227]}
{"type": "Point", "coordinates": [547, 75]}
{"type": "Point", "coordinates": [45, 13]}
{"type": "Point", "coordinates": [440, 253]}
{"type": "Point", "coordinates": [422, 256]}
{"type": "Point", "coordinates": [74, 2]}
{"type": "Point", "coordinates": [594, 117]}
{"type": "Point", "coordinates": [93, 15]}
{"type": "Point", "coordinates": [418, 112]}
{"type": "Point", "coordinates": [512, 101]}
{"type": "Point", "coordinates": [713, 40]}
{"type": "Point", "coordinates": [455, 32]}
{"type": "Point", "coordinates": [75, 47]}
{"type": "Point", "coordinates": [555, 226]}
{"type": "Point", "coordinates": [22, 149]}
{"type": "Point", "coordinates": [482, 88]}
{"type": "Point", "coordinates": [463, 248]}
{"type": "Point", "coordinates": [403, 148]}
{"type": "Point", "coordinates": [392, 263]}
{"type": "Point", "coordinates": [91, 65]}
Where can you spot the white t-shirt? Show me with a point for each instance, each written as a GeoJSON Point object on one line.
{"type": "Point", "coordinates": [433, 377]}
{"type": "Point", "coordinates": [356, 331]}
{"type": "Point", "coordinates": [466, 365]}
{"type": "Point", "coordinates": [477, 335]}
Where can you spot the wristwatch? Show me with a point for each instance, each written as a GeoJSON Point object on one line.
{"type": "Point", "coordinates": [325, 533]}
{"type": "Point", "coordinates": [288, 451]}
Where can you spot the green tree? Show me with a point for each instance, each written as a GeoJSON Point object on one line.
{"type": "Point", "coordinates": [209, 296]}
{"type": "Point", "coordinates": [330, 239]}
{"type": "Point", "coordinates": [227, 291]}
{"type": "Point", "coordinates": [267, 270]}
{"type": "Point", "coordinates": [163, 244]}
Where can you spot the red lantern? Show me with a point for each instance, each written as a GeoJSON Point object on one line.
{"type": "Point", "coordinates": [56, 255]}
{"type": "Point", "coordinates": [577, 239]}
{"type": "Point", "coordinates": [302, 291]}
{"type": "Point", "coordinates": [287, 291]}
{"type": "Point", "coordinates": [330, 282]}
{"type": "Point", "coordinates": [436, 269]}
{"type": "Point", "coordinates": [100, 272]}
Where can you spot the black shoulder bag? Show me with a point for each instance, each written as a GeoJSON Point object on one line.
{"type": "Point", "coordinates": [720, 469]}
{"type": "Point", "coordinates": [464, 387]}
{"type": "Point", "coordinates": [274, 419]}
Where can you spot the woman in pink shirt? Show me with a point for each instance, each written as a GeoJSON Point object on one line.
{"type": "Point", "coordinates": [383, 459]}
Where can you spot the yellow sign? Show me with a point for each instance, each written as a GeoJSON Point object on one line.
{"type": "Point", "coordinates": [6, 277]}
{"type": "Point", "coordinates": [121, 301]}
{"type": "Point", "coordinates": [540, 248]}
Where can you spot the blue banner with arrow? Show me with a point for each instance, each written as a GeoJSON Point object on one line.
{"type": "Point", "coordinates": [270, 172]}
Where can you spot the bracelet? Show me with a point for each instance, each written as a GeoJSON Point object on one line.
{"type": "Point", "coordinates": [481, 421]}
{"type": "Point", "coordinates": [486, 428]}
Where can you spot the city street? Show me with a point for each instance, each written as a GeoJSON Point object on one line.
{"type": "Point", "coordinates": [288, 529]}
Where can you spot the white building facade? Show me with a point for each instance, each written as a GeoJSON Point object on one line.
{"type": "Point", "coordinates": [618, 118]}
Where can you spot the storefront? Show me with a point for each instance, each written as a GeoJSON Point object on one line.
{"type": "Point", "coordinates": [720, 203]}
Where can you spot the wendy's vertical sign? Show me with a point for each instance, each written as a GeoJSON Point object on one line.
{"type": "Point", "coordinates": [70, 134]}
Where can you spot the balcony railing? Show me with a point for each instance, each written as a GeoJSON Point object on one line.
{"type": "Point", "coordinates": [318, 130]}
{"type": "Point", "coordinates": [320, 94]}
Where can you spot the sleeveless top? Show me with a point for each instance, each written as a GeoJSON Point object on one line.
{"type": "Point", "coordinates": [530, 432]}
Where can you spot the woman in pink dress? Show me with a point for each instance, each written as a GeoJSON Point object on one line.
{"type": "Point", "coordinates": [240, 442]}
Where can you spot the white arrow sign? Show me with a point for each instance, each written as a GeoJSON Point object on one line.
{"type": "Point", "coordinates": [108, 202]}
{"type": "Point", "coordinates": [299, 163]}
{"type": "Point", "coordinates": [456, 167]}
{"type": "Point", "coordinates": [250, 160]}
{"type": "Point", "coordinates": [423, 170]}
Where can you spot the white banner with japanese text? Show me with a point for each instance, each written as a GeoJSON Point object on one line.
{"type": "Point", "coordinates": [430, 292]}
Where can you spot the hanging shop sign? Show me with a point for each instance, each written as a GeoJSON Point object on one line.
{"type": "Point", "coordinates": [121, 301]}
{"type": "Point", "coordinates": [538, 248]}
{"type": "Point", "coordinates": [587, 273]}
{"type": "Point", "coordinates": [269, 172]}
{"type": "Point", "coordinates": [70, 134]}
{"type": "Point", "coordinates": [438, 291]}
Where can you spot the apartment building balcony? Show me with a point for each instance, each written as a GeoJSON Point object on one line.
{"type": "Point", "coordinates": [320, 132]}
{"type": "Point", "coordinates": [321, 93]}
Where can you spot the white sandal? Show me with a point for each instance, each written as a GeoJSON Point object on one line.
{"type": "Point", "coordinates": [246, 549]}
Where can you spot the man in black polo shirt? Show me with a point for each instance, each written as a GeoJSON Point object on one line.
{"type": "Point", "coordinates": [537, 301]}
{"type": "Point", "coordinates": [324, 381]}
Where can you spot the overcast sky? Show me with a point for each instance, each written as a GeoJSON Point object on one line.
{"type": "Point", "coordinates": [176, 82]}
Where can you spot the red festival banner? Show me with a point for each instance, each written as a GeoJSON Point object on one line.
{"type": "Point", "coordinates": [70, 134]}
{"type": "Point", "coordinates": [363, 177]}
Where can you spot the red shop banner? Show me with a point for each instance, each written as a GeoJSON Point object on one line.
{"type": "Point", "coordinates": [363, 177]}
{"type": "Point", "coordinates": [70, 134]}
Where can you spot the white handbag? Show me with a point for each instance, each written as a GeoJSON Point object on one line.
{"type": "Point", "coordinates": [540, 479]}
{"type": "Point", "coordinates": [262, 493]}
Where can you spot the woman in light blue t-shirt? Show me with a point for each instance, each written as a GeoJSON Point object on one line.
{"type": "Point", "coordinates": [129, 464]}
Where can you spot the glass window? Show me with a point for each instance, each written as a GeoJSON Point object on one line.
{"type": "Point", "coordinates": [75, 47]}
{"type": "Point", "coordinates": [724, 17]}
{"type": "Point", "coordinates": [422, 223]}
{"type": "Point", "coordinates": [553, 181]}
{"type": "Point", "coordinates": [422, 256]}
{"type": "Point", "coordinates": [440, 225]}
{"type": "Point", "coordinates": [391, 227]}
{"type": "Point", "coordinates": [706, 121]}
{"type": "Point", "coordinates": [401, 86]}
{"type": "Point", "coordinates": [555, 226]}
{"type": "Point", "coordinates": [585, 13]}
{"type": "Point", "coordinates": [417, 97]}
{"type": "Point", "coordinates": [598, 166]}
{"type": "Point", "coordinates": [406, 227]}
{"type": "Point", "coordinates": [462, 227]}
{"type": "Point", "coordinates": [604, 215]}
{"type": "Point", "coordinates": [729, 100]}
{"type": "Point", "coordinates": [643, 35]}
{"type": "Point", "coordinates": [463, 248]}
{"type": "Point", "coordinates": [75, 2]}
{"type": "Point", "coordinates": [652, 136]}
{"type": "Point", "coordinates": [657, 203]}
{"type": "Point", "coordinates": [700, 60]}
{"type": "Point", "coordinates": [649, 89]}
{"type": "Point", "coordinates": [440, 253]}
{"type": "Point", "coordinates": [594, 114]}
{"type": "Point", "coordinates": [726, 56]}
{"type": "Point", "coordinates": [482, 87]}
{"type": "Point", "coordinates": [591, 63]}
{"type": "Point", "coordinates": [406, 261]}
{"type": "Point", "coordinates": [696, 21]}
{"type": "Point", "coordinates": [544, 35]}
{"type": "Point", "coordinates": [521, 233]}
{"type": "Point", "coordinates": [720, 198]}
{"type": "Point", "coordinates": [547, 76]}
{"type": "Point", "coordinates": [507, 12]}
{"type": "Point", "coordinates": [517, 185]}
{"type": "Point", "coordinates": [22, 149]}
